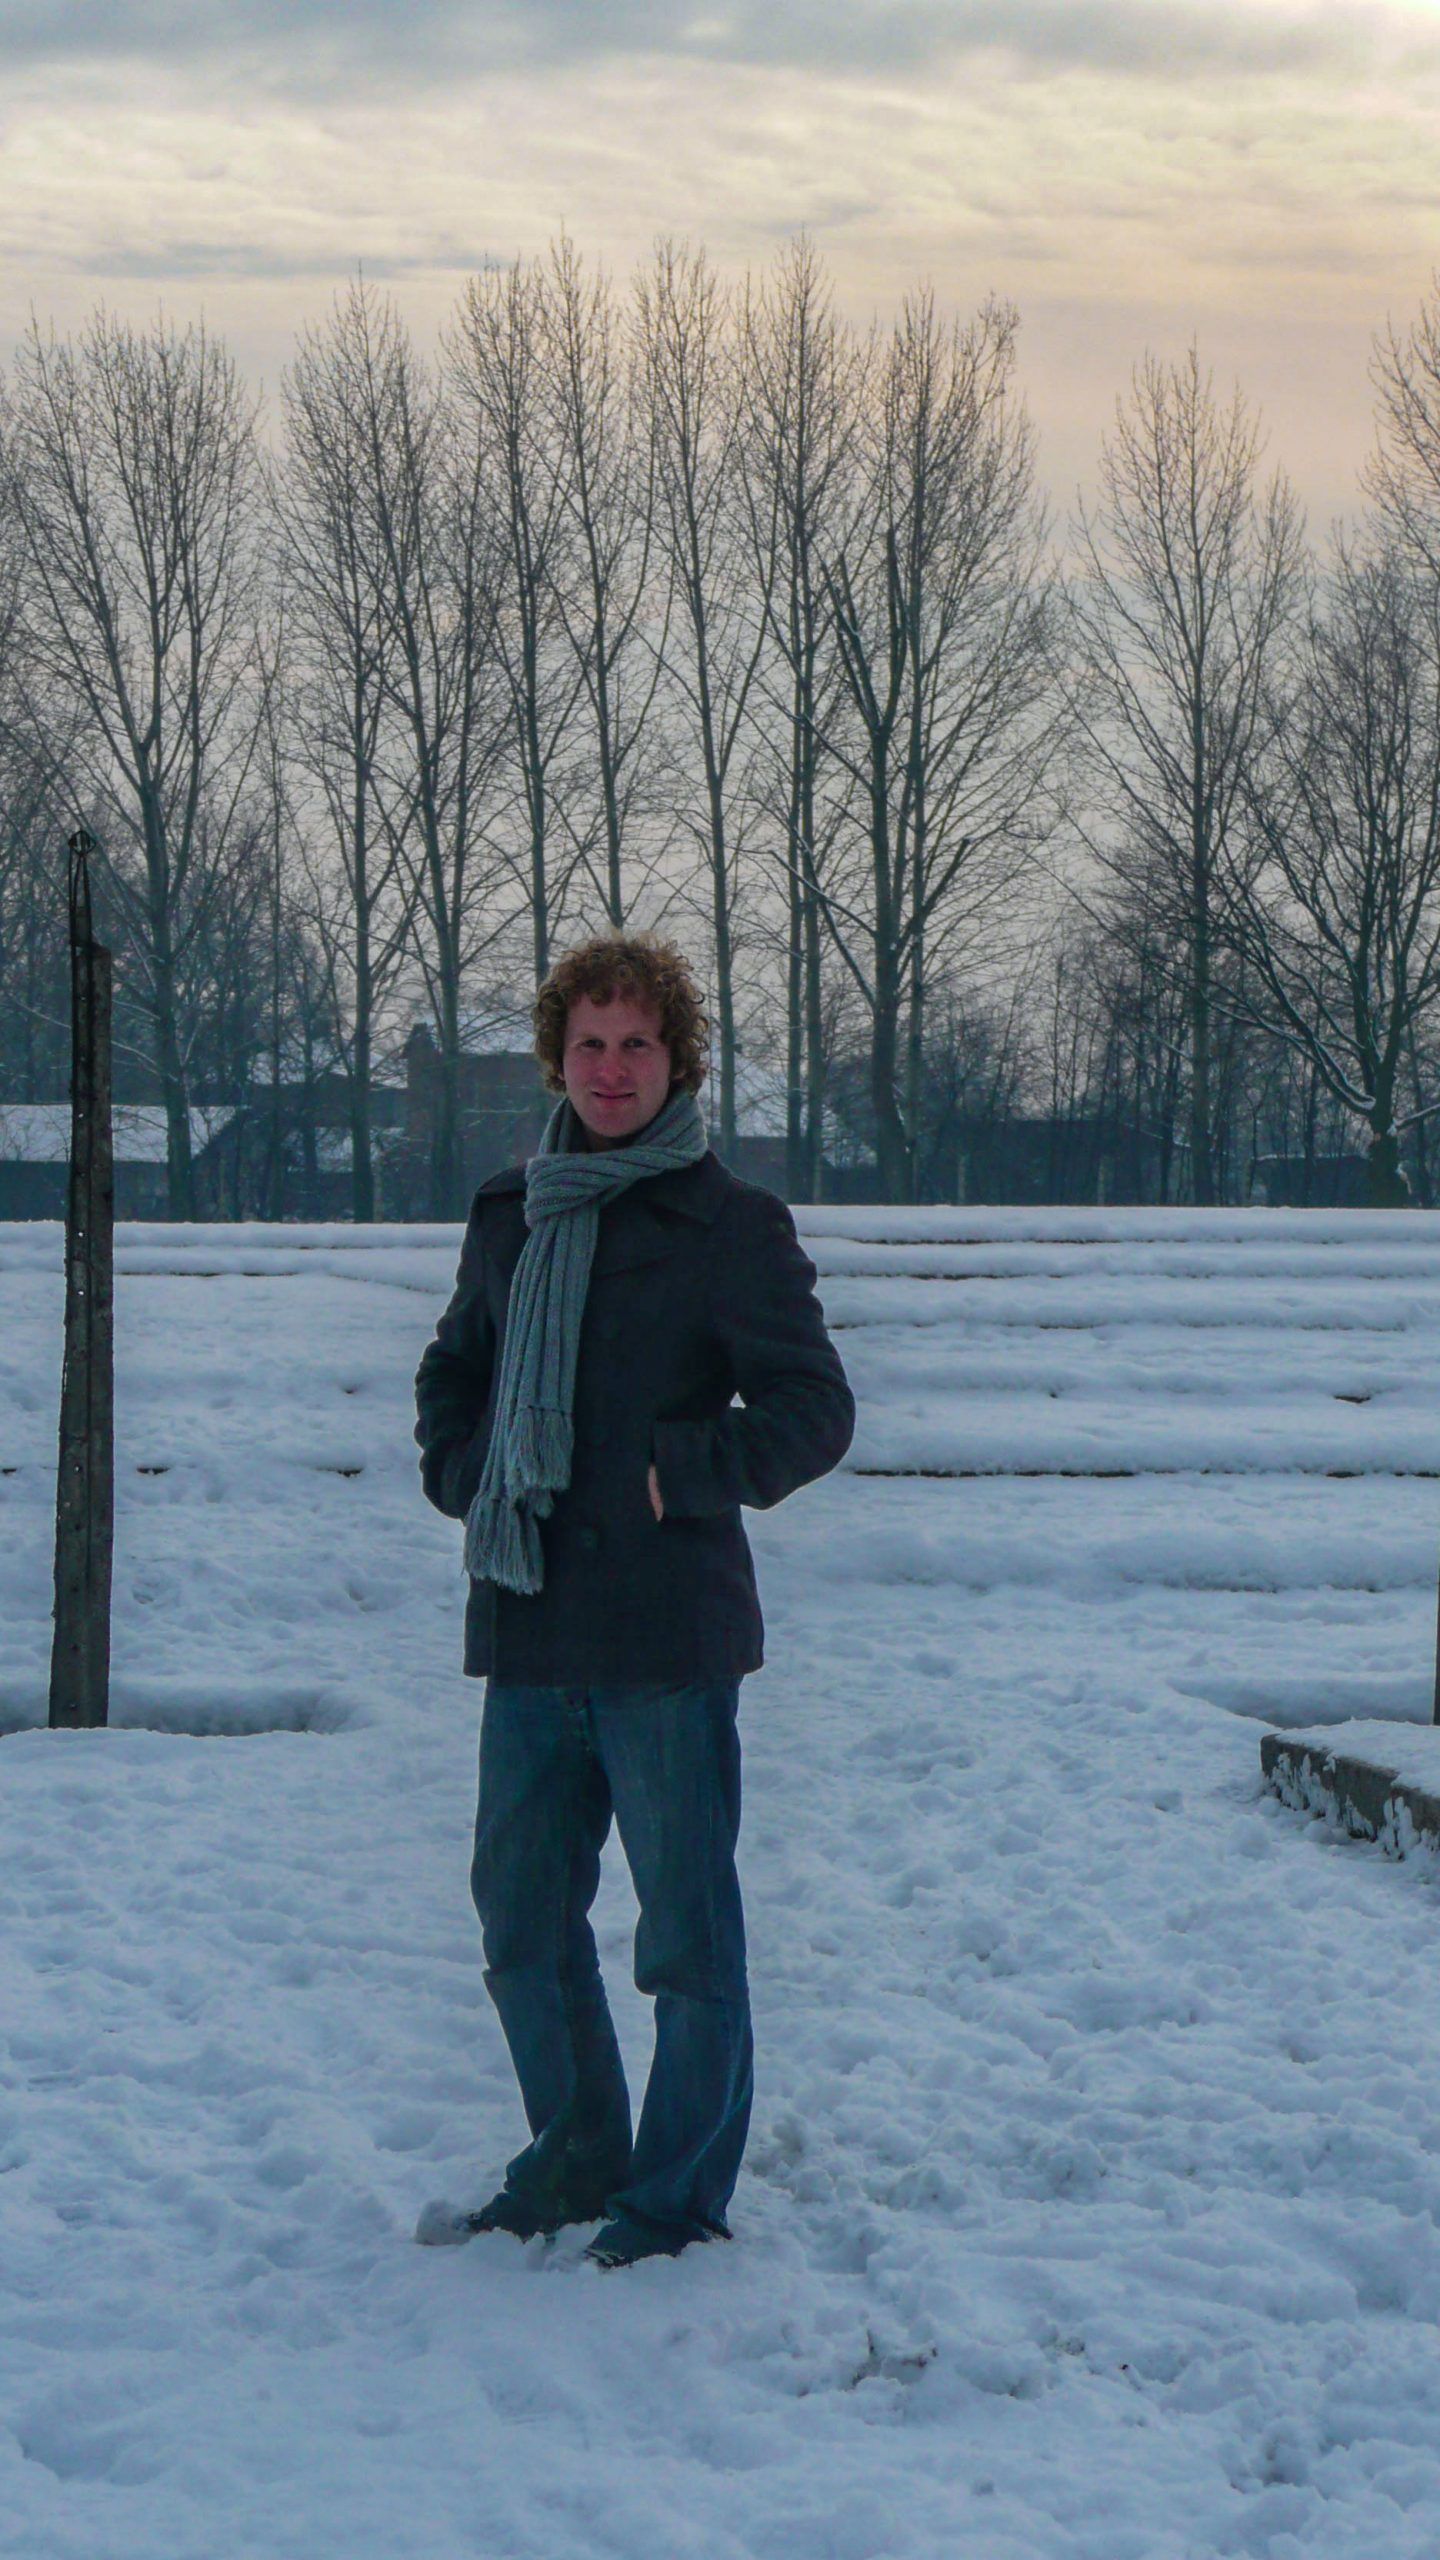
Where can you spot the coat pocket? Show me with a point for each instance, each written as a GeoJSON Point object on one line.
{"type": "Point", "coordinates": [464, 1467]}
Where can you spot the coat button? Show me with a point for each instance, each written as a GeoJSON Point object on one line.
{"type": "Point", "coordinates": [589, 1540]}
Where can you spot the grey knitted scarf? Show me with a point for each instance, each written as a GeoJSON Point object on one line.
{"type": "Point", "coordinates": [528, 1460]}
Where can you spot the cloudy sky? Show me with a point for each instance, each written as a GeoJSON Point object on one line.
{"type": "Point", "coordinates": [1262, 175]}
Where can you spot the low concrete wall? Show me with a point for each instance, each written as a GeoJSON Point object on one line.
{"type": "Point", "coordinates": [1383, 1785]}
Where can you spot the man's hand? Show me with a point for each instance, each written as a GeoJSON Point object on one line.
{"type": "Point", "coordinates": [656, 1505]}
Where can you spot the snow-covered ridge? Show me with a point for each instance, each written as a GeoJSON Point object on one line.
{"type": "Point", "coordinates": [1091, 2205]}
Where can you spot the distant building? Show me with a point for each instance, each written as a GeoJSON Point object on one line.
{"type": "Point", "coordinates": [504, 1107]}
{"type": "Point", "coordinates": [1314, 1182]}
{"type": "Point", "coordinates": [311, 1118]}
{"type": "Point", "coordinates": [1025, 1160]}
{"type": "Point", "coordinates": [503, 1103]}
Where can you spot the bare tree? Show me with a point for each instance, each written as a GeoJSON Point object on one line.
{"type": "Point", "coordinates": [496, 363]}
{"type": "Point", "coordinates": [1337, 908]}
{"type": "Point", "coordinates": [694, 370]}
{"type": "Point", "coordinates": [274, 870]}
{"type": "Point", "coordinates": [1143, 1000]}
{"type": "Point", "coordinates": [1403, 475]}
{"type": "Point", "coordinates": [604, 444]}
{"type": "Point", "coordinates": [132, 467]}
{"type": "Point", "coordinates": [975, 1060]}
{"type": "Point", "coordinates": [34, 959]}
{"type": "Point", "coordinates": [1187, 581]}
{"type": "Point", "coordinates": [804, 380]}
{"type": "Point", "coordinates": [33, 955]}
{"type": "Point", "coordinates": [337, 565]}
{"type": "Point", "coordinates": [938, 607]}
{"type": "Point", "coordinates": [445, 694]}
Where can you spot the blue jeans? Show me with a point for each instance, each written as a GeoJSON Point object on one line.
{"type": "Point", "coordinates": [555, 1763]}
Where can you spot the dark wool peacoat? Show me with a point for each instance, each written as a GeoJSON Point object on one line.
{"type": "Point", "coordinates": [699, 1292]}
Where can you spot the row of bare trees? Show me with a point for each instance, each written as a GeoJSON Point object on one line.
{"type": "Point", "coordinates": [690, 605]}
{"type": "Point", "coordinates": [1261, 738]}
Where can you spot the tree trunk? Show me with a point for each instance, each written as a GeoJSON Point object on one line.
{"type": "Point", "coordinates": [795, 1168]}
{"type": "Point", "coordinates": [1311, 1117]}
{"type": "Point", "coordinates": [892, 1151]}
{"type": "Point", "coordinates": [915, 1056]}
{"type": "Point", "coordinates": [1387, 1187]}
{"type": "Point", "coordinates": [1202, 1159]}
{"type": "Point", "coordinates": [180, 1169]}
{"type": "Point", "coordinates": [362, 1161]}
{"type": "Point", "coordinates": [814, 1041]}
{"type": "Point", "coordinates": [85, 1487]}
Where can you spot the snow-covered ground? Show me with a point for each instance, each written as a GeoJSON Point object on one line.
{"type": "Point", "coordinates": [1091, 2206]}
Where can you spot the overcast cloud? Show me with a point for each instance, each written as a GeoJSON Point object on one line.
{"type": "Point", "coordinates": [1260, 175]}
{"type": "Point", "coordinates": [343, 45]}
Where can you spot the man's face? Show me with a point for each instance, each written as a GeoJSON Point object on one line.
{"type": "Point", "coordinates": [617, 1067]}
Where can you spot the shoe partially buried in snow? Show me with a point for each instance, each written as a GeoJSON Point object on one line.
{"type": "Point", "coordinates": [623, 2243]}
{"type": "Point", "coordinates": [448, 2226]}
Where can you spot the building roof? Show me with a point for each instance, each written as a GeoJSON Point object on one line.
{"type": "Point", "coordinates": [39, 1132]}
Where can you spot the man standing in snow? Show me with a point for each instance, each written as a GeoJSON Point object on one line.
{"type": "Point", "coordinates": [576, 1410]}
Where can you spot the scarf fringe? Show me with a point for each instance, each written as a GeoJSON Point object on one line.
{"type": "Point", "coordinates": [502, 1534]}
{"type": "Point", "coordinates": [502, 1544]}
{"type": "Point", "coordinates": [539, 1451]}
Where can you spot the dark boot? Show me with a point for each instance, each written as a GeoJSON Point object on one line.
{"type": "Point", "coordinates": [623, 2242]}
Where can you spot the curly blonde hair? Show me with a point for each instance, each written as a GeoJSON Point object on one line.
{"type": "Point", "coordinates": [646, 971]}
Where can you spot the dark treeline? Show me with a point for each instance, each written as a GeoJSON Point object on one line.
{"type": "Point", "coordinates": [1095, 860]}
